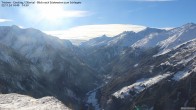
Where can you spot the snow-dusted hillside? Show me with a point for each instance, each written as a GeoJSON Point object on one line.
{"type": "Point", "coordinates": [101, 52]}
{"type": "Point", "coordinates": [169, 39]}
{"type": "Point", "coordinates": [124, 39]}
{"type": "Point", "coordinates": [181, 35]}
{"type": "Point", "coordinates": [139, 86]}
{"type": "Point", "coordinates": [37, 64]}
{"type": "Point", "coordinates": [33, 44]}
{"type": "Point", "coordinates": [149, 37]}
{"type": "Point", "coordinates": [155, 82]}
{"type": "Point", "coordinates": [96, 42]}
{"type": "Point", "coordinates": [128, 38]}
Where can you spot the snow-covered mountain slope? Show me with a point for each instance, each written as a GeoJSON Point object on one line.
{"type": "Point", "coordinates": [19, 75]}
{"type": "Point", "coordinates": [155, 82]}
{"type": "Point", "coordinates": [96, 42]}
{"type": "Point", "coordinates": [43, 50]}
{"type": "Point", "coordinates": [113, 48]}
{"type": "Point", "coordinates": [30, 42]}
{"type": "Point", "coordinates": [182, 35]}
{"type": "Point", "coordinates": [126, 39]}
{"type": "Point", "coordinates": [169, 39]}
{"type": "Point", "coordinates": [104, 50]}
{"type": "Point", "coordinates": [45, 62]}
{"type": "Point", "coordinates": [6, 55]}
{"type": "Point", "coordinates": [22, 102]}
{"type": "Point", "coordinates": [139, 86]}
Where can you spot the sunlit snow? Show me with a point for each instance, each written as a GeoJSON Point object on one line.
{"type": "Point", "coordinates": [139, 85]}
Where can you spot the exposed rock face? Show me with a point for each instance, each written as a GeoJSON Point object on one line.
{"type": "Point", "coordinates": [22, 102]}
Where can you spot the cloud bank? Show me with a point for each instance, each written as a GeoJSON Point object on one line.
{"type": "Point", "coordinates": [5, 20]}
{"type": "Point", "coordinates": [90, 31]}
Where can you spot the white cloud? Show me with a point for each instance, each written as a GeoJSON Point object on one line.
{"type": "Point", "coordinates": [90, 31]}
{"type": "Point", "coordinates": [167, 28]}
{"type": "Point", "coordinates": [5, 20]}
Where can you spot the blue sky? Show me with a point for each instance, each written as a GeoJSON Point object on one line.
{"type": "Point", "coordinates": [152, 13]}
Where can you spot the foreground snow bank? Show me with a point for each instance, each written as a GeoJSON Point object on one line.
{"type": "Point", "coordinates": [22, 102]}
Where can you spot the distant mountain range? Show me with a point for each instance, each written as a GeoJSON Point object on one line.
{"type": "Point", "coordinates": [153, 69]}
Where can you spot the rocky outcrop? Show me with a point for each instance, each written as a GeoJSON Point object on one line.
{"type": "Point", "coordinates": [22, 102]}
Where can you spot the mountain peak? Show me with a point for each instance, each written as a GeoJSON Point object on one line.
{"type": "Point", "coordinates": [15, 27]}
{"type": "Point", "coordinates": [189, 25]}
{"type": "Point", "coordinates": [149, 29]}
{"type": "Point", "coordinates": [98, 41]}
{"type": "Point", "coordinates": [104, 36]}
